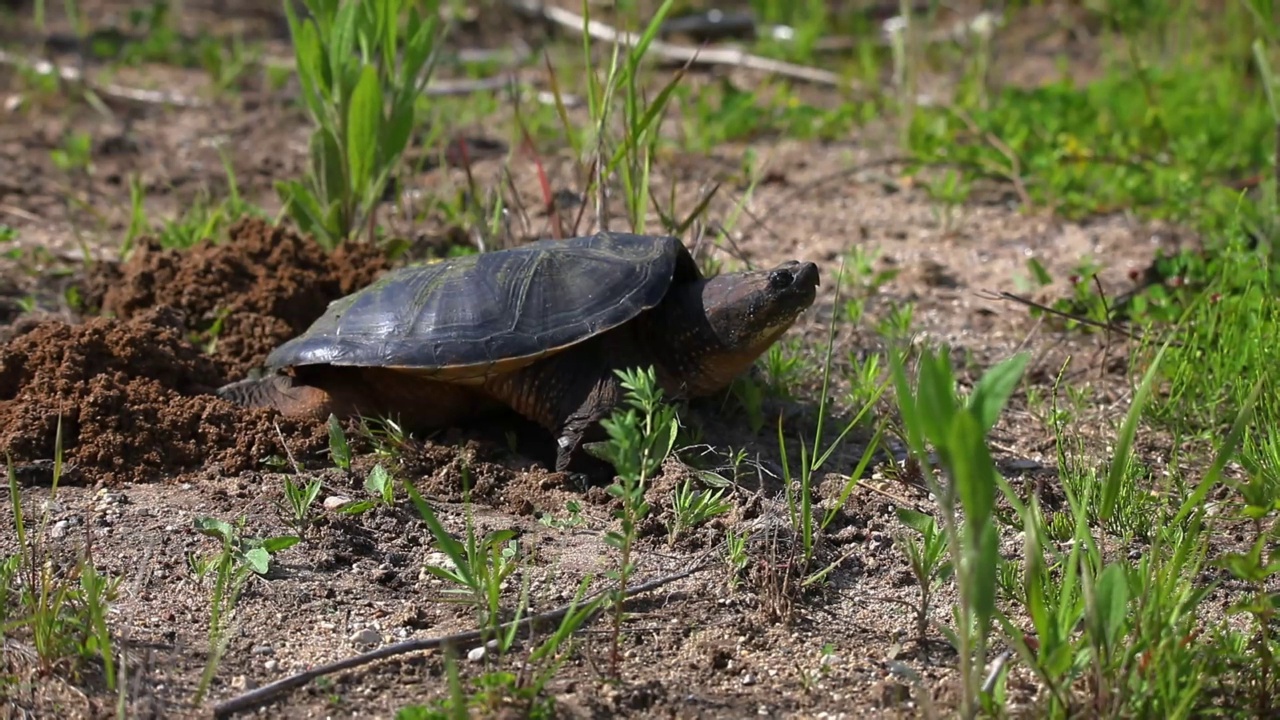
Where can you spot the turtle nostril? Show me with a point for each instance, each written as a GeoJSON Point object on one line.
{"type": "Point", "coordinates": [779, 279]}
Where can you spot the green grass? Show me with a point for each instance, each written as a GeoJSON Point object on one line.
{"type": "Point", "coordinates": [1107, 601]}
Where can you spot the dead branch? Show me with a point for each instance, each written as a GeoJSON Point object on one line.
{"type": "Point", "coordinates": [138, 96]}
{"type": "Point", "coordinates": [731, 57]}
{"type": "Point", "coordinates": [464, 640]}
{"type": "Point", "coordinates": [108, 90]}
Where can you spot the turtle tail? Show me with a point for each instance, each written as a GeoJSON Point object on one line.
{"type": "Point", "coordinates": [280, 392]}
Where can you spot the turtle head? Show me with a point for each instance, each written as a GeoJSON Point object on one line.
{"type": "Point", "coordinates": [749, 310]}
{"type": "Point", "coordinates": [739, 315]}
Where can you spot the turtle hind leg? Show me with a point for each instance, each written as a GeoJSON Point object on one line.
{"type": "Point", "coordinates": [280, 392]}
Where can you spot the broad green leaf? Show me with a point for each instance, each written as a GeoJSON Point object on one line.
{"type": "Point", "coordinates": [1112, 598]}
{"type": "Point", "coordinates": [995, 388]}
{"type": "Point", "coordinates": [936, 398]}
{"type": "Point", "coordinates": [278, 543]}
{"type": "Point", "coordinates": [363, 125]}
{"type": "Point", "coordinates": [338, 446]}
{"type": "Point", "coordinates": [399, 126]}
{"type": "Point", "coordinates": [1124, 442]}
{"type": "Point", "coordinates": [312, 73]}
{"type": "Point", "coordinates": [918, 521]}
{"type": "Point", "coordinates": [215, 528]}
{"type": "Point", "coordinates": [1243, 567]}
{"type": "Point", "coordinates": [355, 508]}
{"type": "Point", "coordinates": [418, 54]}
{"type": "Point", "coordinates": [984, 561]}
{"type": "Point", "coordinates": [329, 170]}
{"type": "Point", "coordinates": [258, 560]}
{"type": "Point", "coordinates": [344, 58]}
{"type": "Point", "coordinates": [973, 472]}
{"type": "Point", "coordinates": [377, 481]}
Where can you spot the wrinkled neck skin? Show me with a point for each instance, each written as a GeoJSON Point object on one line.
{"type": "Point", "coordinates": [699, 352]}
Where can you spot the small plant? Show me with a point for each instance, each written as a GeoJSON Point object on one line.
{"type": "Point", "coordinates": [694, 508]}
{"type": "Point", "coordinates": [75, 154]}
{"type": "Point", "coordinates": [238, 560]}
{"type": "Point", "coordinates": [479, 567]}
{"type": "Point", "coordinates": [523, 691]}
{"type": "Point", "coordinates": [574, 510]}
{"type": "Point", "coordinates": [362, 67]}
{"type": "Point", "coordinates": [381, 485]}
{"type": "Point", "coordinates": [933, 414]}
{"type": "Point", "coordinates": [339, 448]}
{"type": "Point", "coordinates": [735, 554]}
{"type": "Point", "coordinates": [300, 500]}
{"type": "Point", "coordinates": [799, 490]}
{"type": "Point", "coordinates": [1259, 567]}
{"type": "Point", "coordinates": [642, 433]}
{"type": "Point", "coordinates": [61, 615]}
{"type": "Point", "coordinates": [928, 564]}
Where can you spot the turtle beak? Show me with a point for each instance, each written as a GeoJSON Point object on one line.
{"type": "Point", "coordinates": [808, 275]}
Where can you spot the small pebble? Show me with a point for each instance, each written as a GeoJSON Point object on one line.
{"type": "Point", "coordinates": [367, 636]}
{"type": "Point", "coordinates": [748, 679]}
{"type": "Point", "coordinates": [335, 502]}
{"type": "Point", "coordinates": [271, 665]}
{"type": "Point", "coordinates": [263, 650]}
{"type": "Point", "coordinates": [59, 529]}
{"type": "Point", "coordinates": [477, 654]}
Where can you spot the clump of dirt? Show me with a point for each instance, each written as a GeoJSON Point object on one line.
{"type": "Point", "coordinates": [134, 400]}
{"type": "Point", "coordinates": [241, 298]}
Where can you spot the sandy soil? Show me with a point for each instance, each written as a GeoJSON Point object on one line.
{"type": "Point", "coordinates": [154, 334]}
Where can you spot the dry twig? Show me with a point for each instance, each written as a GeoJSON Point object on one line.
{"type": "Point", "coordinates": [107, 90]}
{"type": "Point", "coordinates": [472, 638]}
{"type": "Point", "coordinates": [680, 53]}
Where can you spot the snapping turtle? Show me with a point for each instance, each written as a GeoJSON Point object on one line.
{"type": "Point", "coordinates": [539, 328]}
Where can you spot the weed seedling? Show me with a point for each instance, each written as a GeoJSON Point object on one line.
{"type": "Point", "coordinates": [362, 68]}
{"type": "Point", "coordinates": [61, 615]}
{"type": "Point", "coordinates": [300, 499]}
{"type": "Point", "coordinates": [694, 508]}
{"type": "Point", "coordinates": [642, 433]}
{"type": "Point", "coordinates": [928, 564]}
{"type": "Point", "coordinates": [239, 559]}
{"type": "Point", "coordinates": [932, 413]}
{"type": "Point", "coordinates": [339, 448]}
{"type": "Point", "coordinates": [478, 568]}
{"type": "Point", "coordinates": [735, 554]}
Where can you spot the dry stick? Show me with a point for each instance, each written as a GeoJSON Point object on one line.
{"type": "Point", "coordinates": [1109, 327]}
{"type": "Point", "coordinates": [435, 88]}
{"type": "Point", "coordinates": [471, 638]}
{"type": "Point", "coordinates": [110, 90]}
{"type": "Point", "coordinates": [681, 53]}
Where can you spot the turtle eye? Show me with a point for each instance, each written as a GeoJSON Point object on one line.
{"type": "Point", "coordinates": [779, 279]}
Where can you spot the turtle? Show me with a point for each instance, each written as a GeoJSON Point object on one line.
{"type": "Point", "coordinates": [540, 328]}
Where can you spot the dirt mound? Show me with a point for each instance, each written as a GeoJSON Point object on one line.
{"type": "Point", "coordinates": [240, 298]}
{"type": "Point", "coordinates": [133, 396]}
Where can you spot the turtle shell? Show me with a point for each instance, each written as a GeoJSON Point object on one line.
{"type": "Point", "coordinates": [478, 315]}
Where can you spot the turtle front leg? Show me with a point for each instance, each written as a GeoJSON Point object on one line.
{"type": "Point", "coordinates": [581, 425]}
{"type": "Point", "coordinates": [567, 394]}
